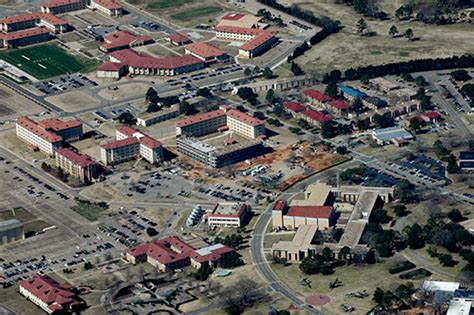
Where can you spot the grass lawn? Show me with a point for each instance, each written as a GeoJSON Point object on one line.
{"type": "Point", "coordinates": [17, 302]}
{"type": "Point", "coordinates": [196, 13]}
{"type": "Point", "coordinates": [165, 4]}
{"type": "Point", "coordinates": [90, 211]}
{"type": "Point", "coordinates": [45, 61]}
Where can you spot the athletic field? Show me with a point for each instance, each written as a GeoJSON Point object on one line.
{"type": "Point", "coordinates": [44, 61]}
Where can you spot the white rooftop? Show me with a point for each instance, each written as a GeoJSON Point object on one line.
{"type": "Point", "coordinates": [459, 307]}
{"type": "Point", "coordinates": [208, 250]}
{"type": "Point", "coordinates": [440, 286]}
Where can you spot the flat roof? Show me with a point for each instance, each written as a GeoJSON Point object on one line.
{"type": "Point", "coordinates": [319, 212]}
{"type": "Point", "coordinates": [228, 210]}
{"type": "Point", "coordinates": [10, 224]}
{"type": "Point", "coordinates": [440, 286]}
{"type": "Point", "coordinates": [387, 134]}
{"type": "Point", "coordinates": [301, 241]}
{"type": "Point", "coordinates": [164, 111]}
{"type": "Point", "coordinates": [459, 307]}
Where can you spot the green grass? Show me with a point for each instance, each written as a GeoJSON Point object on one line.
{"type": "Point", "coordinates": [196, 13]}
{"type": "Point", "coordinates": [45, 61]}
{"type": "Point", "coordinates": [165, 4]}
{"type": "Point", "coordinates": [376, 52]}
{"type": "Point", "coordinates": [17, 213]}
{"type": "Point", "coordinates": [404, 54]}
{"type": "Point", "coordinates": [90, 211]}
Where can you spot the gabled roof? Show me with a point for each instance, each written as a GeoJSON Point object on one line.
{"type": "Point", "coordinates": [178, 38]}
{"type": "Point", "coordinates": [33, 127]}
{"type": "Point", "coordinates": [133, 59]}
{"type": "Point", "coordinates": [58, 3]}
{"type": "Point", "coordinates": [122, 39]}
{"type": "Point", "coordinates": [24, 33]}
{"type": "Point", "coordinates": [205, 50]}
{"type": "Point", "coordinates": [82, 160]}
{"type": "Point", "coordinates": [249, 120]}
{"type": "Point", "coordinates": [315, 115]}
{"type": "Point", "coordinates": [119, 143]}
{"type": "Point", "coordinates": [201, 117]}
{"type": "Point", "coordinates": [108, 4]}
{"type": "Point", "coordinates": [149, 142]}
{"type": "Point", "coordinates": [295, 107]}
{"type": "Point", "coordinates": [320, 97]}
{"type": "Point", "coordinates": [110, 66]}
{"type": "Point", "coordinates": [55, 295]}
{"type": "Point", "coordinates": [339, 104]}
{"type": "Point", "coordinates": [58, 125]}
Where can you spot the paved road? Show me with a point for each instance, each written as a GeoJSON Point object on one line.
{"type": "Point", "coordinates": [256, 248]}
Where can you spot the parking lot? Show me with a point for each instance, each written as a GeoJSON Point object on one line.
{"type": "Point", "coordinates": [151, 26]}
{"type": "Point", "coordinates": [425, 168]}
{"type": "Point", "coordinates": [227, 69]}
{"type": "Point", "coordinates": [64, 84]}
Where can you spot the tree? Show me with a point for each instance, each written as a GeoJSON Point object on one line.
{"type": "Point", "coordinates": [452, 166]}
{"type": "Point", "coordinates": [414, 236]}
{"type": "Point", "coordinates": [400, 210]}
{"type": "Point", "coordinates": [379, 215]}
{"type": "Point", "coordinates": [415, 124]}
{"type": "Point", "coordinates": [152, 107]}
{"type": "Point", "coordinates": [203, 272]}
{"type": "Point", "coordinates": [404, 191]}
{"type": "Point", "coordinates": [341, 150]}
{"type": "Point", "coordinates": [88, 265]}
{"type": "Point", "coordinates": [270, 97]}
{"type": "Point", "coordinates": [152, 96]}
{"type": "Point", "coordinates": [393, 31]}
{"type": "Point", "coordinates": [256, 70]}
{"type": "Point", "coordinates": [185, 108]}
{"type": "Point", "coordinates": [455, 215]}
{"type": "Point", "coordinates": [460, 75]}
{"type": "Point", "coordinates": [447, 260]}
{"type": "Point", "coordinates": [277, 109]}
{"type": "Point", "coordinates": [409, 33]}
{"type": "Point", "coordinates": [295, 68]}
{"type": "Point", "coordinates": [344, 253]}
{"type": "Point", "coordinates": [332, 89]}
{"type": "Point", "coordinates": [361, 26]}
{"type": "Point", "coordinates": [126, 118]}
{"type": "Point", "coordinates": [267, 73]}
{"type": "Point", "coordinates": [151, 231]}
{"type": "Point", "coordinates": [365, 79]}
{"type": "Point", "coordinates": [360, 6]}
{"type": "Point", "coordinates": [247, 72]}
{"type": "Point", "coordinates": [358, 106]}
{"type": "Point", "coordinates": [378, 295]}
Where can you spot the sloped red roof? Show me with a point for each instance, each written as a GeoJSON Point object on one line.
{"type": "Point", "coordinates": [201, 117]}
{"type": "Point", "coordinates": [110, 66]}
{"type": "Point", "coordinates": [164, 250]}
{"type": "Point", "coordinates": [432, 115]}
{"type": "Point", "coordinates": [322, 212]}
{"type": "Point", "coordinates": [295, 107]}
{"type": "Point", "coordinates": [133, 59]}
{"type": "Point", "coordinates": [122, 39]}
{"type": "Point", "coordinates": [58, 125]}
{"type": "Point", "coordinates": [279, 205]}
{"type": "Point", "coordinates": [119, 143]}
{"type": "Point", "coordinates": [249, 120]}
{"type": "Point", "coordinates": [82, 160]}
{"type": "Point", "coordinates": [339, 104]}
{"type": "Point", "coordinates": [109, 4]}
{"type": "Point", "coordinates": [57, 3]}
{"type": "Point", "coordinates": [127, 130]}
{"type": "Point", "coordinates": [315, 115]}
{"type": "Point", "coordinates": [205, 50]}
{"type": "Point", "coordinates": [33, 127]}
{"type": "Point", "coordinates": [259, 36]}
{"type": "Point", "coordinates": [24, 33]}
{"type": "Point", "coordinates": [49, 291]}
{"type": "Point", "coordinates": [320, 97]}
{"type": "Point", "coordinates": [19, 18]}
{"type": "Point", "coordinates": [52, 19]}
{"type": "Point", "coordinates": [233, 16]}
{"type": "Point", "coordinates": [178, 38]}
{"type": "Point", "coordinates": [149, 142]}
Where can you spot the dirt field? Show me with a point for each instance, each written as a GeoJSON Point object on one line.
{"type": "Point", "coordinates": [73, 101]}
{"type": "Point", "coordinates": [13, 105]}
{"type": "Point", "coordinates": [124, 91]}
{"type": "Point", "coordinates": [347, 49]}
{"type": "Point", "coordinates": [159, 49]}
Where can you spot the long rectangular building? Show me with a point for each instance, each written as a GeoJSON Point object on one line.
{"type": "Point", "coordinates": [24, 37]}
{"type": "Point", "coordinates": [62, 6]}
{"type": "Point", "coordinates": [257, 40]}
{"type": "Point", "coordinates": [47, 135]}
{"type": "Point", "coordinates": [206, 123]}
{"type": "Point", "coordinates": [214, 157]}
{"type": "Point", "coordinates": [147, 65]}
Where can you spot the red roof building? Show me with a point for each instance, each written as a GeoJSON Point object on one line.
{"type": "Point", "coordinates": [178, 39]}
{"type": "Point", "coordinates": [110, 66]}
{"type": "Point", "coordinates": [280, 205]}
{"type": "Point", "coordinates": [206, 52]}
{"type": "Point", "coordinates": [140, 64]}
{"type": "Point", "coordinates": [315, 117]}
{"type": "Point", "coordinates": [83, 160]}
{"type": "Point", "coordinates": [24, 37]}
{"type": "Point", "coordinates": [80, 166]}
{"type": "Point", "coordinates": [294, 107]}
{"type": "Point", "coordinates": [37, 130]}
{"type": "Point", "coordinates": [51, 296]}
{"type": "Point", "coordinates": [257, 40]}
{"type": "Point", "coordinates": [171, 253]}
{"type": "Point", "coordinates": [340, 105]}
{"type": "Point", "coordinates": [315, 96]}
{"type": "Point", "coordinates": [323, 212]}
{"type": "Point", "coordinates": [122, 40]}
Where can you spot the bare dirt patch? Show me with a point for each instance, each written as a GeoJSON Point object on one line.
{"type": "Point", "coordinates": [73, 101]}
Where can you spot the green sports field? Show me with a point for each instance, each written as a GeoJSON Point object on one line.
{"type": "Point", "coordinates": [44, 61]}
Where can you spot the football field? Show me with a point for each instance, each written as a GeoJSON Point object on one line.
{"type": "Point", "coordinates": [44, 61]}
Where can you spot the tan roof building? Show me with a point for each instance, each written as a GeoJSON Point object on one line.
{"type": "Point", "coordinates": [299, 247]}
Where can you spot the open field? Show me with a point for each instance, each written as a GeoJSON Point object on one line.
{"type": "Point", "coordinates": [13, 105]}
{"type": "Point", "coordinates": [196, 13]}
{"type": "Point", "coordinates": [164, 4]}
{"type": "Point", "coordinates": [124, 91]}
{"type": "Point", "coordinates": [44, 61]}
{"type": "Point", "coordinates": [347, 49]}
{"type": "Point", "coordinates": [73, 101]}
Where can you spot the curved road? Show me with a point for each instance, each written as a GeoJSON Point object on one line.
{"type": "Point", "coordinates": [256, 248]}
